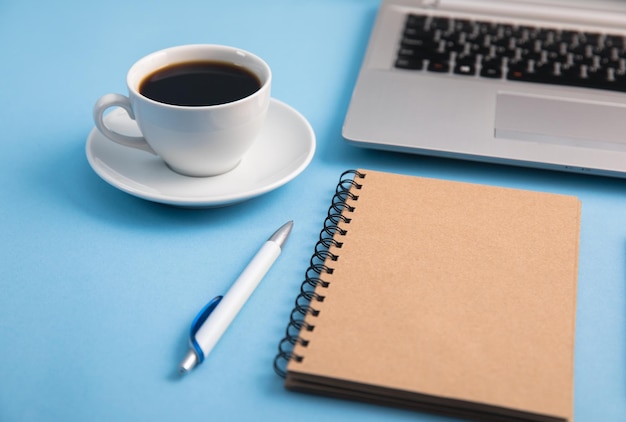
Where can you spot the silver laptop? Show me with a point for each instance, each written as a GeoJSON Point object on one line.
{"type": "Point", "coordinates": [539, 83]}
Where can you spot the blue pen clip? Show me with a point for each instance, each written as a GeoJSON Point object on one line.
{"type": "Point", "coordinates": [197, 323]}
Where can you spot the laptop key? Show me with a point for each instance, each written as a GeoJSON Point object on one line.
{"type": "Point", "coordinates": [572, 74]}
{"type": "Point", "coordinates": [618, 82]}
{"type": "Point", "coordinates": [439, 66]}
{"type": "Point", "coordinates": [597, 77]}
{"type": "Point", "coordinates": [465, 66]}
{"type": "Point", "coordinates": [462, 25]}
{"type": "Point", "coordinates": [546, 72]}
{"type": "Point", "coordinates": [518, 71]}
{"type": "Point", "coordinates": [409, 63]}
{"type": "Point", "coordinates": [491, 68]}
{"type": "Point", "coordinates": [415, 20]}
{"type": "Point", "coordinates": [440, 23]}
{"type": "Point", "coordinates": [419, 32]}
{"type": "Point", "coordinates": [614, 41]}
{"type": "Point", "coordinates": [419, 43]}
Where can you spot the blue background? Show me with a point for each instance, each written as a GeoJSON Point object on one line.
{"type": "Point", "coordinates": [98, 288]}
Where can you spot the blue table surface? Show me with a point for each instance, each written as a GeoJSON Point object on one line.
{"type": "Point", "coordinates": [98, 288]}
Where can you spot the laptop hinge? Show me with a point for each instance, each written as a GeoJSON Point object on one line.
{"type": "Point", "coordinates": [585, 14]}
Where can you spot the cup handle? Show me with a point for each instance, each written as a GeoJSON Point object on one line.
{"type": "Point", "coordinates": [118, 100]}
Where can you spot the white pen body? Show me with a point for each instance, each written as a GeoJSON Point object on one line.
{"type": "Point", "coordinates": [218, 321]}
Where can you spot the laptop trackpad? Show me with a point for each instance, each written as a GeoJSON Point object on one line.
{"type": "Point", "coordinates": [560, 120]}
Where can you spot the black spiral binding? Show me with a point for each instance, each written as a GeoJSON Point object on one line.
{"type": "Point", "coordinates": [319, 265]}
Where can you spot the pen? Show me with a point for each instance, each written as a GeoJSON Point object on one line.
{"type": "Point", "coordinates": [212, 321]}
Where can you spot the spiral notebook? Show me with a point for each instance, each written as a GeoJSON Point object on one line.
{"type": "Point", "coordinates": [440, 296]}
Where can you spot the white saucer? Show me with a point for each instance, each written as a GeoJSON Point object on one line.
{"type": "Point", "coordinates": [284, 149]}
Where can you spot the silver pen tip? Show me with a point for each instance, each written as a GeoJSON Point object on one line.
{"type": "Point", "coordinates": [280, 236]}
{"type": "Point", "coordinates": [188, 363]}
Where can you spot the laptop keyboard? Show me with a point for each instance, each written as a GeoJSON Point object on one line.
{"type": "Point", "coordinates": [518, 53]}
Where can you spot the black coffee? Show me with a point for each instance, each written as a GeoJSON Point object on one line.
{"type": "Point", "coordinates": [200, 83]}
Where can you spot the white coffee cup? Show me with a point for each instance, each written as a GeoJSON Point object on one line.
{"type": "Point", "coordinates": [194, 140]}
